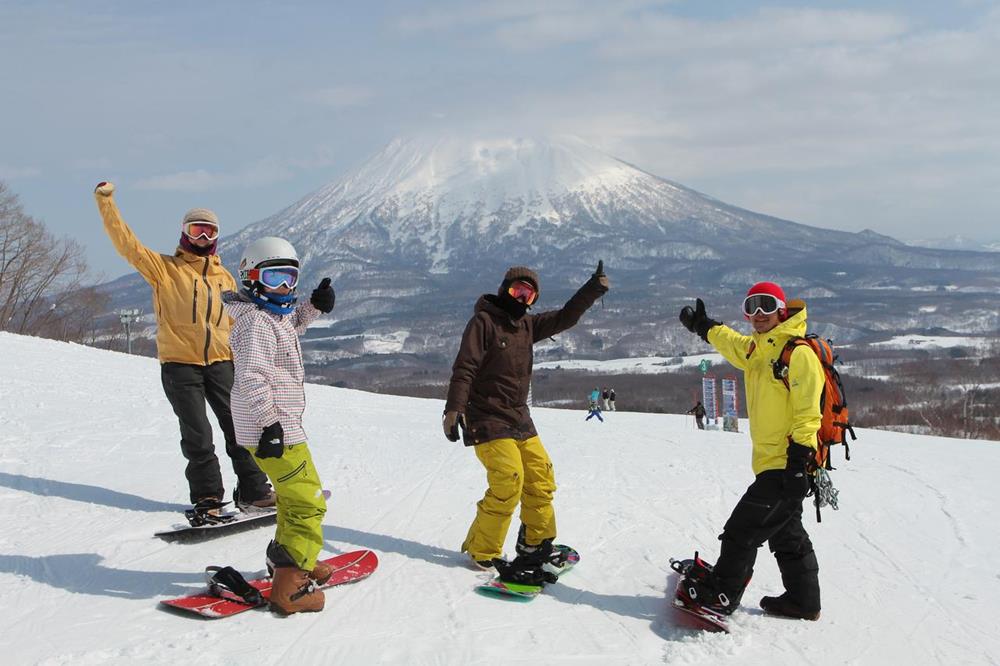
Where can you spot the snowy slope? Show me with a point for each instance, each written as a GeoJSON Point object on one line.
{"type": "Point", "coordinates": [90, 467]}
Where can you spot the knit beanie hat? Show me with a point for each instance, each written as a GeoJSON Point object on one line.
{"type": "Point", "coordinates": [770, 289]}
{"type": "Point", "coordinates": [520, 273]}
{"type": "Point", "coordinates": [199, 215]}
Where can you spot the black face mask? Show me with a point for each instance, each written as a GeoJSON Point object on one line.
{"type": "Point", "coordinates": [511, 305]}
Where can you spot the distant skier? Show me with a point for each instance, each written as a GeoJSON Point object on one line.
{"type": "Point", "coordinates": [595, 395]}
{"type": "Point", "coordinates": [268, 401]}
{"type": "Point", "coordinates": [783, 426]}
{"type": "Point", "coordinates": [699, 414]}
{"type": "Point", "coordinates": [192, 342]}
{"type": "Point", "coordinates": [605, 397]}
{"type": "Point", "coordinates": [611, 399]}
{"type": "Point", "coordinates": [595, 410]}
{"type": "Point", "coordinates": [487, 399]}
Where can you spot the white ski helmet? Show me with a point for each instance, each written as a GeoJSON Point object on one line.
{"type": "Point", "coordinates": [264, 252]}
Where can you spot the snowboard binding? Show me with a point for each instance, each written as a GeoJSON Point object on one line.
{"type": "Point", "coordinates": [228, 583]}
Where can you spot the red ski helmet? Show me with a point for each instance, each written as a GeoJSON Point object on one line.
{"type": "Point", "coordinates": [773, 301]}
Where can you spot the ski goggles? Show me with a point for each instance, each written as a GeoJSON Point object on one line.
{"type": "Point", "coordinates": [765, 303]}
{"type": "Point", "coordinates": [523, 291]}
{"type": "Point", "coordinates": [199, 229]}
{"type": "Point", "coordinates": [273, 277]}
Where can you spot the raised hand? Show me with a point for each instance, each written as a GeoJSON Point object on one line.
{"type": "Point", "coordinates": [323, 297]}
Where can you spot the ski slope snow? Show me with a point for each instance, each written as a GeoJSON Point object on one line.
{"type": "Point", "coordinates": [90, 468]}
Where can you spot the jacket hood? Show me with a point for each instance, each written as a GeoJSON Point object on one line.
{"type": "Point", "coordinates": [490, 303]}
{"type": "Point", "coordinates": [793, 327]}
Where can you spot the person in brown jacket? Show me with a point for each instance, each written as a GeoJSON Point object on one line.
{"type": "Point", "coordinates": [487, 399]}
{"type": "Point", "coordinates": [192, 343]}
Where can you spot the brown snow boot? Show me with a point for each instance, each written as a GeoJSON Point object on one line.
{"type": "Point", "coordinates": [321, 573]}
{"type": "Point", "coordinates": [292, 591]}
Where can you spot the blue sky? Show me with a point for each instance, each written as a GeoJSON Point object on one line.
{"type": "Point", "coordinates": [850, 115]}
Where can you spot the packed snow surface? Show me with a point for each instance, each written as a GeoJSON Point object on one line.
{"type": "Point", "coordinates": [90, 467]}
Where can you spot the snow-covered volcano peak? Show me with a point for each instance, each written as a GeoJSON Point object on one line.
{"type": "Point", "coordinates": [435, 198]}
{"type": "Point", "coordinates": [499, 168]}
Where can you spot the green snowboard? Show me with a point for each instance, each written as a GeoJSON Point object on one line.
{"type": "Point", "coordinates": [519, 591]}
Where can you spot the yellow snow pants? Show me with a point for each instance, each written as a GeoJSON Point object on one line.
{"type": "Point", "coordinates": [517, 471]}
{"type": "Point", "coordinates": [301, 505]}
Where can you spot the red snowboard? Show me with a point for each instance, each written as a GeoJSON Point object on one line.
{"type": "Point", "coordinates": [347, 568]}
{"type": "Point", "coordinates": [690, 614]}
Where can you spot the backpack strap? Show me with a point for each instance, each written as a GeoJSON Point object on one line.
{"type": "Point", "coordinates": [780, 366]}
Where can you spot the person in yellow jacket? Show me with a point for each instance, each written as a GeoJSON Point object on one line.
{"type": "Point", "coordinates": [783, 426]}
{"type": "Point", "coordinates": [192, 343]}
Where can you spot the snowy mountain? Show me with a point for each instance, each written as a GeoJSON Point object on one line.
{"type": "Point", "coordinates": [414, 234]}
{"type": "Point", "coordinates": [908, 564]}
{"type": "Point", "coordinates": [957, 242]}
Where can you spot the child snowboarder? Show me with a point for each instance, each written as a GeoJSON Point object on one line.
{"type": "Point", "coordinates": [268, 400]}
{"type": "Point", "coordinates": [487, 398]}
{"type": "Point", "coordinates": [594, 410]}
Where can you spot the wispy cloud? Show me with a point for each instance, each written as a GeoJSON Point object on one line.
{"type": "Point", "coordinates": [265, 172]}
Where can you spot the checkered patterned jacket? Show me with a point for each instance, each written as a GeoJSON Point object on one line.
{"type": "Point", "coordinates": [269, 373]}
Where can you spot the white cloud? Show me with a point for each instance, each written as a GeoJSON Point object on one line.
{"type": "Point", "coordinates": [264, 172]}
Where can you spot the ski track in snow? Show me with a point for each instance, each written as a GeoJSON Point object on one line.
{"type": "Point", "coordinates": [91, 468]}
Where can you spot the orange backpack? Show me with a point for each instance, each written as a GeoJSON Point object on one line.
{"type": "Point", "coordinates": [832, 402]}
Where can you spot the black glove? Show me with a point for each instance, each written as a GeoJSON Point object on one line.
{"type": "Point", "coordinates": [798, 469]}
{"type": "Point", "coordinates": [599, 279]}
{"type": "Point", "coordinates": [452, 421]}
{"type": "Point", "coordinates": [696, 321]}
{"type": "Point", "coordinates": [272, 441]}
{"type": "Point", "coordinates": [323, 297]}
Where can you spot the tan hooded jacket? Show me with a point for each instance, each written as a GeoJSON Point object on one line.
{"type": "Point", "coordinates": [192, 326]}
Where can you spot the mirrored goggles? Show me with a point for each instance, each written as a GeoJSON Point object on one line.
{"type": "Point", "coordinates": [196, 230]}
{"type": "Point", "coordinates": [274, 277]}
{"type": "Point", "coordinates": [523, 291]}
{"type": "Point", "coordinates": [766, 303]}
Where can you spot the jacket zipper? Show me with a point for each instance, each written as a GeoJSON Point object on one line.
{"type": "Point", "coordinates": [208, 312]}
{"type": "Point", "coordinates": [222, 309]}
{"type": "Point", "coordinates": [194, 304]}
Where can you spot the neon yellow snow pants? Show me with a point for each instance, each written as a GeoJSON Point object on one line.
{"type": "Point", "coordinates": [301, 505]}
{"type": "Point", "coordinates": [517, 471]}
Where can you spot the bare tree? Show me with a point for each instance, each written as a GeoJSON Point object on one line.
{"type": "Point", "coordinates": [43, 288]}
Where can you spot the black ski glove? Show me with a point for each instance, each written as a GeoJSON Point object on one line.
{"type": "Point", "coordinates": [451, 422]}
{"type": "Point", "coordinates": [696, 321]}
{"type": "Point", "coordinates": [272, 441]}
{"type": "Point", "coordinates": [795, 483]}
{"type": "Point", "coordinates": [599, 279]}
{"type": "Point", "coordinates": [323, 297]}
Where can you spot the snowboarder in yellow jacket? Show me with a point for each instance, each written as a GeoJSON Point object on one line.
{"type": "Point", "coordinates": [783, 426]}
{"type": "Point", "coordinates": [192, 343]}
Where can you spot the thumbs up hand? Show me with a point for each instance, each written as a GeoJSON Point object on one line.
{"type": "Point", "coordinates": [323, 296]}
{"type": "Point", "coordinates": [600, 278]}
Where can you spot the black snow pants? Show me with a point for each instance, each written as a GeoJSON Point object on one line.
{"type": "Point", "coordinates": [764, 514]}
{"type": "Point", "coordinates": [188, 387]}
